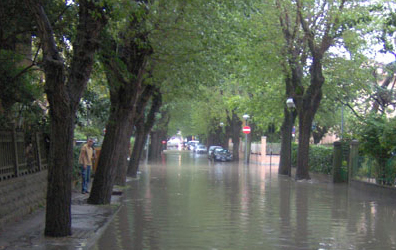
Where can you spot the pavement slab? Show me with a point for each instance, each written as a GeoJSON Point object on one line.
{"type": "Point", "coordinates": [88, 223]}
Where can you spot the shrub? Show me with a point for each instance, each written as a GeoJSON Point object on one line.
{"type": "Point", "coordinates": [76, 167]}
{"type": "Point", "coordinates": [320, 158]}
{"type": "Point", "coordinates": [378, 140]}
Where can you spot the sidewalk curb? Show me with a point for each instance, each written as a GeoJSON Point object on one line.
{"type": "Point", "coordinates": [89, 222]}
{"type": "Point", "coordinates": [90, 242]}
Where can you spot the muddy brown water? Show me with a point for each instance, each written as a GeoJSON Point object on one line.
{"type": "Point", "coordinates": [188, 202]}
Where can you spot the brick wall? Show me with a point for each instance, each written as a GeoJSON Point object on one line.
{"type": "Point", "coordinates": [21, 196]}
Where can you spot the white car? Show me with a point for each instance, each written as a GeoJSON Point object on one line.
{"type": "Point", "coordinates": [192, 144]}
{"type": "Point", "coordinates": [201, 149]}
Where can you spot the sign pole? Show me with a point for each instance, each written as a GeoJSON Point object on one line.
{"type": "Point", "coordinates": [246, 131]}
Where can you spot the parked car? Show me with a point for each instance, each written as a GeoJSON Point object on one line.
{"type": "Point", "coordinates": [201, 149]}
{"type": "Point", "coordinates": [191, 144]}
{"type": "Point", "coordinates": [222, 155]}
{"type": "Point", "coordinates": [211, 150]}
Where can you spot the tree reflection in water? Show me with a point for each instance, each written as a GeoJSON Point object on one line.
{"type": "Point", "coordinates": [188, 202]}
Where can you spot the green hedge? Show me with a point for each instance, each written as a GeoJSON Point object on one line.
{"type": "Point", "coordinates": [76, 175]}
{"type": "Point", "coordinates": [320, 158]}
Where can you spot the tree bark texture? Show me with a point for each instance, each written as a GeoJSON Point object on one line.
{"type": "Point", "coordinates": [304, 37]}
{"type": "Point", "coordinates": [158, 135]}
{"type": "Point", "coordinates": [63, 96]}
{"type": "Point", "coordinates": [285, 160]}
{"type": "Point", "coordinates": [306, 108]}
{"type": "Point", "coordinates": [126, 91]}
{"type": "Point", "coordinates": [122, 163]}
{"type": "Point", "coordinates": [156, 146]}
{"type": "Point", "coordinates": [236, 127]}
{"type": "Point", "coordinates": [140, 139]}
{"type": "Point", "coordinates": [118, 132]}
{"type": "Point", "coordinates": [308, 102]}
{"type": "Point", "coordinates": [143, 128]}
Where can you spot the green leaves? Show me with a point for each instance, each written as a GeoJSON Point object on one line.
{"type": "Point", "coordinates": [377, 137]}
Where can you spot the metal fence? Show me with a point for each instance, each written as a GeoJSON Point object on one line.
{"type": "Point", "coordinates": [367, 169]}
{"type": "Point", "coordinates": [18, 158]}
{"type": "Point", "coordinates": [370, 170]}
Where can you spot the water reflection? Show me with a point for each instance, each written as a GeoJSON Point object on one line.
{"type": "Point", "coordinates": [188, 202]}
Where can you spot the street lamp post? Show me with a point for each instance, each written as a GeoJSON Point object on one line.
{"type": "Point", "coordinates": [290, 106]}
{"type": "Point", "coordinates": [221, 124]}
{"type": "Point", "coordinates": [246, 117]}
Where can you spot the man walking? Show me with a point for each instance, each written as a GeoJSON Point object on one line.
{"type": "Point", "coordinates": [85, 160]}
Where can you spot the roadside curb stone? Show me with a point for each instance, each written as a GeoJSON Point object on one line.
{"type": "Point", "coordinates": [88, 224]}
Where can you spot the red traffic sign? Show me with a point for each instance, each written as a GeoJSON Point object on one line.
{"type": "Point", "coordinates": [246, 130]}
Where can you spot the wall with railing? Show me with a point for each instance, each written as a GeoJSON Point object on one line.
{"type": "Point", "coordinates": [19, 158]}
{"type": "Point", "coordinates": [23, 174]}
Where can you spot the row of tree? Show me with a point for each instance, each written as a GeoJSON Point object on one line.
{"type": "Point", "coordinates": [186, 66]}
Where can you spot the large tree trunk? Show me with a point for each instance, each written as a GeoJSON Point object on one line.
{"type": "Point", "coordinates": [64, 98]}
{"type": "Point", "coordinates": [140, 139]}
{"type": "Point", "coordinates": [156, 146]}
{"type": "Point", "coordinates": [116, 134]}
{"type": "Point", "coordinates": [285, 160]}
{"type": "Point", "coordinates": [309, 101]}
{"type": "Point", "coordinates": [306, 108]}
{"type": "Point", "coordinates": [122, 163]}
{"type": "Point", "coordinates": [159, 135]}
{"type": "Point", "coordinates": [58, 212]}
{"type": "Point", "coordinates": [143, 126]}
{"type": "Point", "coordinates": [305, 124]}
{"type": "Point", "coordinates": [293, 79]}
{"type": "Point", "coordinates": [142, 129]}
{"type": "Point", "coordinates": [235, 125]}
{"type": "Point", "coordinates": [127, 90]}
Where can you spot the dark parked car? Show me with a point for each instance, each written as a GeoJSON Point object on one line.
{"type": "Point", "coordinates": [222, 155]}
{"type": "Point", "coordinates": [211, 151]}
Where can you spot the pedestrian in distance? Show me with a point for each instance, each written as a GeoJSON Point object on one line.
{"type": "Point", "coordinates": [85, 160]}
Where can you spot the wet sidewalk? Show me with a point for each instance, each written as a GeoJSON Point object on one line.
{"type": "Point", "coordinates": [88, 223]}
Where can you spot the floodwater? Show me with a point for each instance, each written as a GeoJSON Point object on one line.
{"type": "Point", "coordinates": [187, 202]}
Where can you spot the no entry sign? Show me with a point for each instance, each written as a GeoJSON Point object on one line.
{"type": "Point", "coordinates": [246, 130]}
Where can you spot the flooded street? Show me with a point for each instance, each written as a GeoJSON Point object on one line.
{"type": "Point", "coordinates": [188, 202]}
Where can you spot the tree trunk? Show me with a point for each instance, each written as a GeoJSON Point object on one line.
{"type": "Point", "coordinates": [305, 124]}
{"type": "Point", "coordinates": [144, 126]}
{"type": "Point", "coordinates": [140, 139]}
{"type": "Point", "coordinates": [319, 133]}
{"type": "Point", "coordinates": [306, 108]}
{"type": "Point", "coordinates": [235, 125]}
{"type": "Point", "coordinates": [122, 163]}
{"type": "Point", "coordinates": [285, 160]}
{"type": "Point", "coordinates": [58, 209]}
{"type": "Point", "coordinates": [159, 135]}
{"type": "Point", "coordinates": [63, 98]}
{"type": "Point", "coordinates": [116, 134]}
{"type": "Point", "coordinates": [156, 146]}
{"type": "Point", "coordinates": [309, 101]}
{"type": "Point", "coordinates": [127, 90]}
